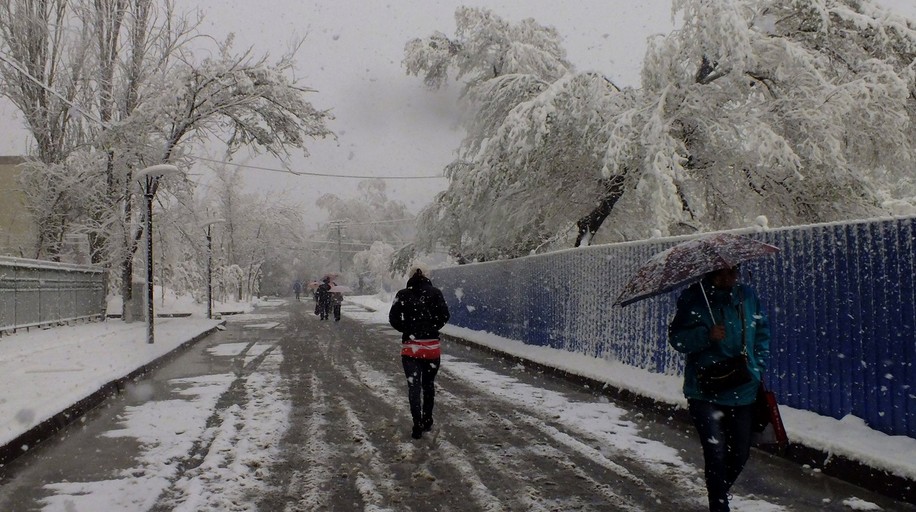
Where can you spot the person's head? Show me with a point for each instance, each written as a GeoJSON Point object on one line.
{"type": "Point", "coordinates": [418, 272]}
{"type": "Point", "coordinates": [418, 268]}
{"type": "Point", "coordinates": [326, 280]}
{"type": "Point", "coordinates": [724, 278]}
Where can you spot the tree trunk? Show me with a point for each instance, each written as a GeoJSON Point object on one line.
{"type": "Point", "coordinates": [589, 224]}
{"type": "Point", "coordinates": [127, 263]}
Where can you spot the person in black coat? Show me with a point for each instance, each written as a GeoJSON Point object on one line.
{"type": "Point", "coordinates": [324, 298]}
{"type": "Point", "coordinates": [418, 312]}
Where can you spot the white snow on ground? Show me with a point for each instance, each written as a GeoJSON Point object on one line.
{"type": "Point", "coordinates": [857, 504]}
{"type": "Point", "coordinates": [242, 443]}
{"type": "Point", "coordinates": [242, 440]}
{"type": "Point", "coordinates": [849, 437]}
{"type": "Point", "coordinates": [46, 371]}
{"type": "Point", "coordinates": [167, 430]}
{"type": "Point", "coordinates": [233, 473]}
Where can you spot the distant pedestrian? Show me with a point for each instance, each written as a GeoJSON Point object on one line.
{"type": "Point", "coordinates": [419, 311]}
{"type": "Point", "coordinates": [324, 298]}
{"type": "Point", "coordinates": [297, 288]}
{"type": "Point", "coordinates": [336, 302]}
{"type": "Point", "coordinates": [721, 328]}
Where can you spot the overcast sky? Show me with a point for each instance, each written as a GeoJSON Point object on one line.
{"type": "Point", "coordinates": [389, 124]}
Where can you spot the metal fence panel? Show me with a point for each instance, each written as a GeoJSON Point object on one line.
{"type": "Point", "coordinates": [35, 292]}
{"type": "Point", "coordinates": [840, 299]}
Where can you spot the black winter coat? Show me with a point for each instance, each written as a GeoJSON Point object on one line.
{"type": "Point", "coordinates": [323, 293]}
{"type": "Point", "coordinates": [419, 310]}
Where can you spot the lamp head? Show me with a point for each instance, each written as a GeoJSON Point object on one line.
{"type": "Point", "coordinates": [157, 171]}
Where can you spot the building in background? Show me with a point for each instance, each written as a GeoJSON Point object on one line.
{"type": "Point", "coordinates": [18, 231]}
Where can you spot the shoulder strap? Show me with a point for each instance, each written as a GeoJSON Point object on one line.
{"type": "Point", "coordinates": [741, 316]}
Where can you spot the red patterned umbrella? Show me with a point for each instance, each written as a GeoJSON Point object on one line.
{"type": "Point", "coordinates": [688, 262]}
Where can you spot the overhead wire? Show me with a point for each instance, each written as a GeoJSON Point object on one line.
{"type": "Point", "coordinates": [320, 174]}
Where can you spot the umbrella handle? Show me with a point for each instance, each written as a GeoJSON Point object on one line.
{"type": "Point", "coordinates": [711, 316]}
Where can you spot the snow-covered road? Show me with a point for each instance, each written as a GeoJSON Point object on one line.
{"type": "Point", "coordinates": [282, 412]}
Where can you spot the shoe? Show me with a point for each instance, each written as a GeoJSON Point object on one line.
{"type": "Point", "coordinates": [427, 425]}
{"type": "Point", "coordinates": [416, 433]}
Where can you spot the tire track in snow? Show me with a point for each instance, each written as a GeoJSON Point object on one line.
{"type": "Point", "coordinates": [586, 451]}
{"type": "Point", "coordinates": [373, 464]}
{"type": "Point", "coordinates": [479, 492]}
{"type": "Point", "coordinates": [537, 419]}
{"type": "Point", "coordinates": [200, 475]}
{"type": "Point", "coordinates": [315, 454]}
{"type": "Point", "coordinates": [602, 489]}
{"type": "Point", "coordinates": [507, 458]}
{"type": "Point", "coordinates": [382, 386]}
{"type": "Point", "coordinates": [378, 467]}
{"type": "Point", "coordinates": [235, 469]}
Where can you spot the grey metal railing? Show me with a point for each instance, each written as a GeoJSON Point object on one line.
{"type": "Point", "coordinates": [36, 293]}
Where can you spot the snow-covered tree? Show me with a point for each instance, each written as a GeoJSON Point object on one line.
{"type": "Point", "coordinates": [250, 102]}
{"type": "Point", "coordinates": [534, 137]}
{"type": "Point", "coordinates": [372, 267]}
{"type": "Point", "coordinates": [146, 100]}
{"type": "Point", "coordinates": [44, 69]}
{"type": "Point", "coordinates": [799, 110]}
{"type": "Point", "coordinates": [539, 170]}
{"type": "Point", "coordinates": [253, 232]}
{"type": "Point", "coordinates": [58, 198]}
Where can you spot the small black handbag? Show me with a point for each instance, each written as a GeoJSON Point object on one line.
{"type": "Point", "coordinates": [729, 373]}
{"type": "Point", "coordinates": [723, 375]}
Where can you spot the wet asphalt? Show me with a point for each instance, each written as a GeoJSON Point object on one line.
{"type": "Point", "coordinates": [349, 448]}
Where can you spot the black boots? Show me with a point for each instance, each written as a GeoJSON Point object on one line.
{"type": "Point", "coordinates": [425, 425]}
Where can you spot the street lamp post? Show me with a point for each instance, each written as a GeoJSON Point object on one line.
{"type": "Point", "coordinates": [149, 176]}
{"type": "Point", "coordinates": [209, 225]}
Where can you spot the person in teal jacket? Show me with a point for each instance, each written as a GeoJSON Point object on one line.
{"type": "Point", "coordinates": [732, 323]}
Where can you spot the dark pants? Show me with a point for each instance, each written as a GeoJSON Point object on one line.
{"type": "Point", "coordinates": [323, 309]}
{"type": "Point", "coordinates": [725, 433]}
{"type": "Point", "coordinates": [336, 312]}
{"type": "Point", "coordinates": [420, 376]}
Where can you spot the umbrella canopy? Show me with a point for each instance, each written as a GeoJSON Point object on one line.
{"type": "Point", "coordinates": [688, 262]}
{"type": "Point", "coordinates": [339, 288]}
{"type": "Point", "coordinates": [313, 284]}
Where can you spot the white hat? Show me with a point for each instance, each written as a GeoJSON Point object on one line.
{"type": "Point", "coordinates": [422, 267]}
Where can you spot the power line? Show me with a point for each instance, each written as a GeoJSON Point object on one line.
{"type": "Point", "coordinates": [304, 173]}
{"type": "Point", "coordinates": [15, 65]}
{"type": "Point", "coordinates": [390, 242]}
{"type": "Point", "coordinates": [348, 223]}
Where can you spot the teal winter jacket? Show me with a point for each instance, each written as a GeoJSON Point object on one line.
{"type": "Point", "coordinates": [688, 333]}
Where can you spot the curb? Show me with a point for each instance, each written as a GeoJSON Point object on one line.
{"type": "Point", "coordinates": [848, 470]}
{"type": "Point", "coordinates": [44, 430]}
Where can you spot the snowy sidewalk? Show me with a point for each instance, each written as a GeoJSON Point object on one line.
{"type": "Point", "coordinates": [44, 373]}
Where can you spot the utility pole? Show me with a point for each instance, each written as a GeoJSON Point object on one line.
{"type": "Point", "coordinates": [338, 224]}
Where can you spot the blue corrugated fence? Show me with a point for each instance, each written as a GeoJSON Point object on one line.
{"type": "Point", "coordinates": [840, 298]}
